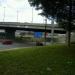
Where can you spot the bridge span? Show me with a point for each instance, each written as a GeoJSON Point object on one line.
{"type": "Point", "coordinates": [11, 27]}
{"type": "Point", "coordinates": [30, 27]}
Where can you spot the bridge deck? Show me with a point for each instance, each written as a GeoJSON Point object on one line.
{"type": "Point", "coordinates": [30, 27]}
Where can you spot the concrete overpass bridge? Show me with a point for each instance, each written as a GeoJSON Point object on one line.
{"type": "Point", "coordinates": [11, 27]}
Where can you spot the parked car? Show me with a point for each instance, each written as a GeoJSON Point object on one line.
{"type": "Point", "coordinates": [7, 42]}
{"type": "Point", "coordinates": [39, 43]}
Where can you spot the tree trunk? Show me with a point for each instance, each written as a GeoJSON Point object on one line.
{"type": "Point", "coordinates": [45, 29]}
{"type": "Point", "coordinates": [70, 20]}
{"type": "Point", "coordinates": [68, 38]}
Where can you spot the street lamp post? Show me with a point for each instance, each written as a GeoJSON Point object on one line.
{"type": "Point", "coordinates": [4, 15]}
{"type": "Point", "coordinates": [32, 15]}
{"type": "Point", "coordinates": [17, 15]}
{"type": "Point", "coordinates": [52, 31]}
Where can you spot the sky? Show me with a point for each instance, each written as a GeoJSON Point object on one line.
{"type": "Point", "coordinates": [19, 11]}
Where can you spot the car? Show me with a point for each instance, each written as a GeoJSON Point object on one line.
{"type": "Point", "coordinates": [7, 42]}
{"type": "Point", "coordinates": [39, 43]}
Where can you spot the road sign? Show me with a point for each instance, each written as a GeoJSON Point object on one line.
{"type": "Point", "coordinates": [38, 34]}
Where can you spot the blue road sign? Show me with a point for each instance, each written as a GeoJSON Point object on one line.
{"type": "Point", "coordinates": [38, 34]}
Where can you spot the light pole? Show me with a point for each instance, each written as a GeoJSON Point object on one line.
{"type": "Point", "coordinates": [4, 15]}
{"type": "Point", "coordinates": [52, 30]}
{"type": "Point", "coordinates": [32, 16]}
{"type": "Point", "coordinates": [17, 15]}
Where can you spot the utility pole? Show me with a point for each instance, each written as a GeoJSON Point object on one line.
{"type": "Point", "coordinates": [4, 15]}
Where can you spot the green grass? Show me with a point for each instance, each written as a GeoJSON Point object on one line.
{"type": "Point", "coordinates": [49, 60]}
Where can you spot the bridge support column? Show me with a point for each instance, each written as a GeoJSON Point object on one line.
{"type": "Point", "coordinates": [10, 33]}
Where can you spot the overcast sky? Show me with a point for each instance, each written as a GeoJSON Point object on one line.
{"type": "Point", "coordinates": [21, 8]}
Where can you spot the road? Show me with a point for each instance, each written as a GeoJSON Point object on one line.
{"type": "Point", "coordinates": [16, 45]}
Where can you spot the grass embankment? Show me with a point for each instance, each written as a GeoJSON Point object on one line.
{"type": "Point", "coordinates": [50, 60]}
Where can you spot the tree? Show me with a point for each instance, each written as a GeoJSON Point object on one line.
{"type": "Point", "coordinates": [62, 10]}
{"type": "Point", "coordinates": [66, 18]}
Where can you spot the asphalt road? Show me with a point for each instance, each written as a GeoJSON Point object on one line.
{"type": "Point", "coordinates": [16, 45]}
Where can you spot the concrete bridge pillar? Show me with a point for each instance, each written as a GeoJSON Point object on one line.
{"type": "Point", "coordinates": [10, 33]}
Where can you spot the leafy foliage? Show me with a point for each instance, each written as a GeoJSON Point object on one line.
{"type": "Point", "coordinates": [58, 9]}
{"type": "Point", "coordinates": [62, 10]}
